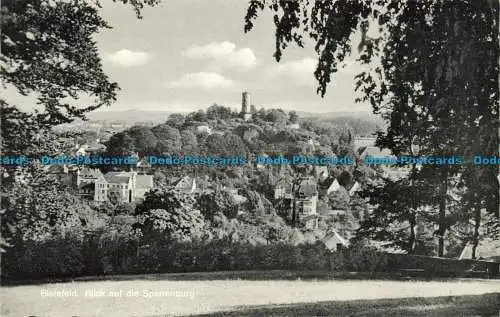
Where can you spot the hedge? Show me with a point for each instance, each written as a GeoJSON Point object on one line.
{"type": "Point", "coordinates": [126, 252]}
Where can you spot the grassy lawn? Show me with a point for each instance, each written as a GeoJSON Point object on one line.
{"type": "Point", "coordinates": [160, 296]}
{"type": "Point", "coordinates": [487, 305]}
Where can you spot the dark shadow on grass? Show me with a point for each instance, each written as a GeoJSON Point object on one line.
{"type": "Point", "coordinates": [487, 305]}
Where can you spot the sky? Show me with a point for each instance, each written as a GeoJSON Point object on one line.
{"type": "Point", "coordinates": [185, 55]}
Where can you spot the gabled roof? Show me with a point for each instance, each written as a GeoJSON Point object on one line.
{"type": "Point", "coordinates": [143, 163]}
{"type": "Point", "coordinates": [333, 238]}
{"type": "Point", "coordinates": [118, 177]}
{"type": "Point", "coordinates": [334, 186]}
{"type": "Point", "coordinates": [375, 151]}
{"type": "Point", "coordinates": [91, 173]}
{"type": "Point", "coordinates": [355, 188]}
{"type": "Point", "coordinates": [185, 182]}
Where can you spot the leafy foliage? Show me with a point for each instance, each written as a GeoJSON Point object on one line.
{"type": "Point", "coordinates": [218, 201]}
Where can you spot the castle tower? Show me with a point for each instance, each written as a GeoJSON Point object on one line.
{"type": "Point", "coordinates": [245, 105]}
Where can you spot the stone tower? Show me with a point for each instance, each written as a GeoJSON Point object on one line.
{"type": "Point", "coordinates": [245, 106]}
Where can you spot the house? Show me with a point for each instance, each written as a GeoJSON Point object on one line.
{"type": "Point", "coordinates": [203, 129]}
{"type": "Point", "coordinates": [116, 186]}
{"type": "Point", "coordinates": [321, 172]}
{"type": "Point", "coordinates": [328, 185]}
{"type": "Point", "coordinates": [355, 188]}
{"type": "Point", "coordinates": [86, 191]}
{"type": "Point", "coordinates": [143, 184]}
{"type": "Point", "coordinates": [57, 169]}
{"type": "Point", "coordinates": [94, 148]}
{"type": "Point", "coordinates": [62, 173]}
{"type": "Point", "coordinates": [334, 241]}
{"type": "Point", "coordinates": [387, 170]}
{"type": "Point", "coordinates": [185, 184]}
{"type": "Point", "coordinates": [143, 166]}
{"type": "Point", "coordinates": [293, 126]}
{"type": "Point", "coordinates": [306, 199]}
{"type": "Point", "coordinates": [88, 175]}
{"type": "Point", "coordinates": [260, 166]}
{"type": "Point", "coordinates": [283, 189]}
{"type": "Point", "coordinates": [374, 151]}
{"type": "Point", "coordinates": [122, 187]}
{"type": "Point", "coordinates": [360, 142]}
{"type": "Point", "coordinates": [80, 151]}
{"type": "Point", "coordinates": [488, 249]}
{"type": "Point", "coordinates": [334, 186]}
{"type": "Point", "coordinates": [303, 195]}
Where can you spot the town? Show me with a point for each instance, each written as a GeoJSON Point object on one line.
{"type": "Point", "coordinates": [250, 158]}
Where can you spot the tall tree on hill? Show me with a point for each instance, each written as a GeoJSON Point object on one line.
{"type": "Point", "coordinates": [176, 120]}
{"type": "Point", "coordinates": [432, 71]}
{"type": "Point", "coordinates": [169, 139]}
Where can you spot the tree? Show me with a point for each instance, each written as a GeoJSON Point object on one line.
{"type": "Point", "coordinates": [235, 145]}
{"type": "Point", "coordinates": [216, 111]}
{"type": "Point", "coordinates": [391, 221]}
{"type": "Point", "coordinates": [293, 117]}
{"type": "Point", "coordinates": [179, 224]}
{"type": "Point", "coordinates": [176, 120]}
{"type": "Point", "coordinates": [425, 73]}
{"type": "Point", "coordinates": [215, 144]}
{"type": "Point", "coordinates": [49, 51]}
{"type": "Point", "coordinates": [189, 142]}
{"type": "Point", "coordinates": [144, 140]}
{"type": "Point", "coordinates": [169, 139]}
{"type": "Point", "coordinates": [199, 116]}
{"type": "Point", "coordinates": [277, 116]}
{"type": "Point", "coordinates": [344, 145]}
{"type": "Point", "coordinates": [41, 209]}
{"type": "Point", "coordinates": [339, 199]}
{"type": "Point", "coordinates": [120, 143]}
{"type": "Point", "coordinates": [219, 201]}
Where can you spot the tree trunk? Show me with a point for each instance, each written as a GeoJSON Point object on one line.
{"type": "Point", "coordinates": [442, 210]}
{"type": "Point", "coordinates": [413, 220]}
{"type": "Point", "coordinates": [477, 225]}
{"type": "Point", "coordinates": [413, 236]}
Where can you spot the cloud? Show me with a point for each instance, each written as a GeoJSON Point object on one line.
{"type": "Point", "coordinates": [301, 71]}
{"type": "Point", "coordinates": [201, 80]}
{"type": "Point", "coordinates": [223, 55]}
{"type": "Point", "coordinates": [127, 58]}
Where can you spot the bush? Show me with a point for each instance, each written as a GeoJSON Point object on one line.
{"type": "Point", "coordinates": [123, 250]}
{"type": "Point", "coordinates": [58, 256]}
{"type": "Point", "coordinates": [365, 259]}
{"type": "Point", "coordinates": [117, 249]}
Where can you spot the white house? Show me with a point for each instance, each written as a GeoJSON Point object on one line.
{"type": "Point", "coordinates": [122, 186]}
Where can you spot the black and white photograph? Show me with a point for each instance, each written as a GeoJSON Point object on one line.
{"type": "Point", "coordinates": [284, 158]}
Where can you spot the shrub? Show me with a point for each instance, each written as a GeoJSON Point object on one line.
{"type": "Point", "coordinates": [58, 256]}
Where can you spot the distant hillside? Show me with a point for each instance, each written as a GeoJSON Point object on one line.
{"type": "Point", "coordinates": [364, 115]}
{"type": "Point", "coordinates": [130, 116]}
{"type": "Point", "coordinates": [363, 123]}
